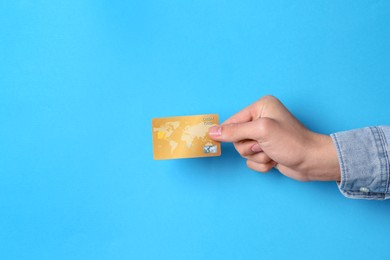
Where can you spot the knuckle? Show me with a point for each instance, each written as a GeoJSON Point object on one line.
{"type": "Point", "coordinates": [263, 158]}
{"type": "Point", "coordinates": [249, 164]}
{"type": "Point", "coordinates": [265, 126]}
{"type": "Point", "coordinates": [244, 148]}
{"type": "Point", "coordinates": [240, 149]}
{"type": "Point", "coordinates": [265, 168]}
{"type": "Point", "coordinates": [231, 131]}
{"type": "Point", "coordinates": [260, 157]}
{"type": "Point", "coordinates": [226, 131]}
{"type": "Point", "coordinates": [269, 99]}
{"type": "Point", "coordinates": [244, 153]}
{"type": "Point", "coordinates": [258, 166]}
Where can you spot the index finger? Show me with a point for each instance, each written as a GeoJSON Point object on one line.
{"type": "Point", "coordinates": [248, 114]}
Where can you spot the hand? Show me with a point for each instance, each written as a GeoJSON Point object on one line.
{"type": "Point", "coordinates": [268, 135]}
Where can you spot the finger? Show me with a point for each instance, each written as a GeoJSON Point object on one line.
{"type": "Point", "coordinates": [256, 148]}
{"type": "Point", "coordinates": [245, 148]}
{"type": "Point", "coordinates": [259, 109]}
{"type": "Point", "coordinates": [234, 132]}
{"type": "Point", "coordinates": [260, 167]}
{"type": "Point", "coordinates": [247, 114]}
{"type": "Point", "coordinates": [261, 157]}
{"type": "Point", "coordinates": [258, 130]}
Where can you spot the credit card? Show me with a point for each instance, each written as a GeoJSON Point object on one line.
{"type": "Point", "coordinates": [184, 137]}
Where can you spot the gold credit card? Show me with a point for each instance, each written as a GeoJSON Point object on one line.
{"type": "Point", "coordinates": [184, 137]}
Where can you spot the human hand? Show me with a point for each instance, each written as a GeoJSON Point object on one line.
{"type": "Point", "coordinates": [268, 135]}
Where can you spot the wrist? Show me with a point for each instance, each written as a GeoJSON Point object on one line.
{"type": "Point", "coordinates": [324, 160]}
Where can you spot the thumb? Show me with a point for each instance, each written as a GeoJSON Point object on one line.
{"type": "Point", "coordinates": [253, 130]}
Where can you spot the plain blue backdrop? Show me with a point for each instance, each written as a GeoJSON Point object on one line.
{"type": "Point", "coordinates": [80, 82]}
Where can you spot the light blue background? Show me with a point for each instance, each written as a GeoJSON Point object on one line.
{"type": "Point", "coordinates": [80, 82]}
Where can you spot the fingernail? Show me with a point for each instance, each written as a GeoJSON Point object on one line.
{"type": "Point", "coordinates": [215, 131]}
{"type": "Point", "coordinates": [256, 148]}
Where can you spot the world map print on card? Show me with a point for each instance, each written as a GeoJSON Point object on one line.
{"type": "Point", "coordinates": [184, 137]}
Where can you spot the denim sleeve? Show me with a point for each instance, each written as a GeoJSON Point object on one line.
{"type": "Point", "coordinates": [364, 162]}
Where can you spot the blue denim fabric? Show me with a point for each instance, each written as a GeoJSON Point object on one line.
{"type": "Point", "coordinates": [364, 162]}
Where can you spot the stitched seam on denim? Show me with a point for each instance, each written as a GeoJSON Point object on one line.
{"type": "Point", "coordinates": [382, 161]}
{"type": "Point", "coordinates": [388, 161]}
{"type": "Point", "coordinates": [342, 164]}
{"type": "Point", "coordinates": [384, 145]}
{"type": "Point", "coordinates": [359, 195]}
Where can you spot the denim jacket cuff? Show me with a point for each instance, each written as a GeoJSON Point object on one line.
{"type": "Point", "coordinates": [364, 162]}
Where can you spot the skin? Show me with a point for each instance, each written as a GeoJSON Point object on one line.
{"type": "Point", "coordinates": [267, 135]}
